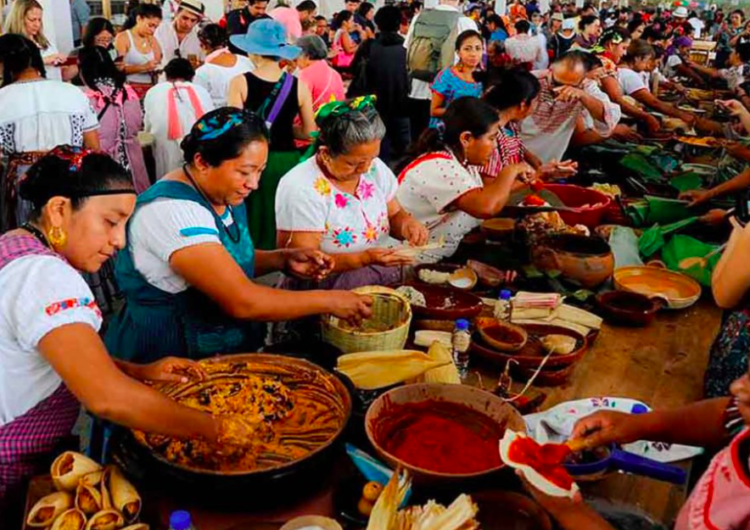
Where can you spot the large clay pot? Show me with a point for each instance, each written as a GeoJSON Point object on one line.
{"type": "Point", "coordinates": [586, 260]}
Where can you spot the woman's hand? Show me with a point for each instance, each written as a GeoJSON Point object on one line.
{"type": "Point", "coordinates": [239, 431]}
{"type": "Point", "coordinates": [522, 172]}
{"type": "Point", "coordinates": [350, 306]}
{"type": "Point", "coordinates": [54, 60]}
{"type": "Point", "coordinates": [734, 107]}
{"type": "Point", "coordinates": [414, 232]}
{"type": "Point", "coordinates": [607, 427]}
{"type": "Point", "coordinates": [653, 125]}
{"type": "Point", "coordinates": [172, 369]}
{"type": "Point", "coordinates": [308, 263]}
{"type": "Point", "coordinates": [696, 197]}
{"type": "Point", "coordinates": [556, 170]}
{"type": "Point", "coordinates": [387, 257]}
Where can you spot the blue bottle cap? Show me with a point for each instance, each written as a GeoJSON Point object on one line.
{"type": "Point", "coordinates": [639, 409]}
{"type": "Point", "coordinates": [505, 294]}
{"type": "Point", "coordinates": [462, 325]}
{"type": "Point", "coordinates": [180, 520]}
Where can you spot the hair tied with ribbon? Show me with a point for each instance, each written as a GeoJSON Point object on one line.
{"type": "Point", "coordinates": [340, 108]}
{"type": "Point", "coordinates": [216, 126]}
{"type": "Point", "coordinates": [71, 154]}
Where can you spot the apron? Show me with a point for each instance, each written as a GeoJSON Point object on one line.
{"type": "Point", "coordinates": [15, 211]}
{"type": "Point", "coordinates": [721, 498]}
{"type": "Point", "coordinates": [154, 324]}
{"type": "Point", "coordinates": [27, 441]}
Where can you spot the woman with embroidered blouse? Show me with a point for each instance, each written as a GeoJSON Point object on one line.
{"type": "Point", "coordinates": [187, 269]}
{"type": "Point", "coordinates": [343, 200]}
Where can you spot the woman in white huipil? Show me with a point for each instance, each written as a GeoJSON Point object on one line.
{"type": "Point", "coordinates": [221, 65]}
{"type": "Point", "coordinates": [140, 50]}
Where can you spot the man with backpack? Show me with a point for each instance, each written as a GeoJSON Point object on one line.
{"type": "Point", "coordinates": [430, 47]}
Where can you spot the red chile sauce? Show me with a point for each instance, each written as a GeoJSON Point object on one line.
{"type": "Point", "coordinates": [545, 459]}
{"type": "Point", "coordinates": [441, 437]}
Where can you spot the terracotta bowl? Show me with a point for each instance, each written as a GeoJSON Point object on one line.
{"type": "Point", "coordinates": [628, 308]}
{"type": "Point", "coordinates": [503, 336]}
{"type": "Point", "coordinates": [446, 303]}
{"type": "Point", "coordinates": [679, 291]}
{"type": "Point", "coordinates": [479, 400]}
{"type": "Point", "coordinates": [498, 229]}
{"type": "Point", "coordinates": [586, 260]}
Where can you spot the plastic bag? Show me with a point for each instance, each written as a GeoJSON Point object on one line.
{"type": "Point", "coordinates": [683, 253]}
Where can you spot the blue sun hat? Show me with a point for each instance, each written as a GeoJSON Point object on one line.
{"type": "Point", "coordinates": [267, 38]}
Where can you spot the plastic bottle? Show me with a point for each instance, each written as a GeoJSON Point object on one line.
{"type": "Point", "coordinates": [461, 344]}
{"type": "Point", "coordinates": [181, 520]}
{"type": "Point", "coordinates": [503, 307]}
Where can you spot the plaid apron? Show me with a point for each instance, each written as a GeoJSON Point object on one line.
{"type": "Point", "coordinates": [27, 441]}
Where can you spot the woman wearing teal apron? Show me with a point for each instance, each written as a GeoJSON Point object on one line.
{"type": "Point", "coordinates": [187, 270]}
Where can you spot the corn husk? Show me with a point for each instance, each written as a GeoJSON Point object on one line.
{"type": "Point", "coordinates": [92, 479]}
{"type": "Point", "coordinates": [383, 516]}
{"type": "Point", "coordinates": [425, 338]}
{"type": "Point", "coordinates": [445, 374]}
{"type": "Point", "coordinates": [48, 508]}
{"type": "Point", "coordinates": [138, 526]}
{"type": "Point", "coordinates": [372, 370]}
{"type": "Point", "coordinates": [72, 519]}
{"type": "Point", "coordinates": [104, 489]}
{"type": "Point", "coordinates": [88, 499]}
{"type": "Point", "coordinates": [68, 469]}
{"type": "Point", "coordinates": [106, 520]}
{"type": "Point", "coordinates": [434, 516]}
{"type": "Point", "coordinates": [125, 497]}
{"type": "Point", "coordinates": [578, 316]}
{"type": "Point", "coordinates": [559, 344]}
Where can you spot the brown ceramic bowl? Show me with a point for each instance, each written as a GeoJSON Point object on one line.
{"type": "Point", "coordinates": [504, 510]}
{"type": "Point", "coordinates": [586, 260]}
{"type": "Point", "coordinates": [498, 229]}
{"type": "Point", "coordinates": [446, 303]}
{"type": "Point", "coordinates": [628, 308]}
{"type": "Point", "coordinates": [679, 290]}
{"type": "Point", "coordinates": [481, 401]}
{"type": "Point", "coordinates": [502, 336]}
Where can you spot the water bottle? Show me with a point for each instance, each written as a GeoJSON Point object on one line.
{"type": "Point", "coordinates": [503, 307]}
{"type": "Point", "coordinates": [461, 344]}
{"type": "Point", "coordinates": [180, 520]}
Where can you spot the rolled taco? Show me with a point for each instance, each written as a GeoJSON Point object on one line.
{"type": "Point", "coordinates": [72, 519]}
{"type": "Point", "coordinates": [69, 468]}
{"type": "Point", "coordinates": [48, 508]}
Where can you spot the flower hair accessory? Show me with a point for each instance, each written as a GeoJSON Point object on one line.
{"type": "Point", "coordinates": [73, 155]}
{"type": "Point", "coordinates": [339, 108]}
{"type": "Point", "coordinates": [216, 126]}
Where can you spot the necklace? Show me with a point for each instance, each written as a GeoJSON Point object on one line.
{"type": "Point", "coordinates": [233, 238]}
{"type": "Point", "coordinates": [34, 231]}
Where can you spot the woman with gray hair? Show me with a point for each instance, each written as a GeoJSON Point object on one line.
{"type": "Point", "coordinates": [324, 82]}
{"type": "Point", "coordinates": [343, 200]}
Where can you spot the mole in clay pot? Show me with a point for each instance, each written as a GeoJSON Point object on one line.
{"type": "Point", "coordinates": [585, 260]}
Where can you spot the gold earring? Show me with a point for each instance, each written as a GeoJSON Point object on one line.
{"type": "Point", "coordinates": [57, 237]}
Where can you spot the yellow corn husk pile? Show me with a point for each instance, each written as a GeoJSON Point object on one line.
{"type": "Point", "coordinates": [433, 516]}
{"type": "Point", "coordinates": [564, 316]}
{"type": "Point", "coordinates": [379, 369]}
{"type": "Point", "coordinates": [445, 374]}
{"type": "Point", "coordinates": [383, 516]}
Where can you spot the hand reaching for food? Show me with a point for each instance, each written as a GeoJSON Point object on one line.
{"type": "Point", "coordinates": [239, 431]}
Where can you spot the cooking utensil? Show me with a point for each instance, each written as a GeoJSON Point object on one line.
{"type": "Point", "coordinates": [613, 459]}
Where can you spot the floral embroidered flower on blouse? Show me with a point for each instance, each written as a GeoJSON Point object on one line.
{"type": "Point", "coordinates": [344, 237]}
{"type": "Point", "coordinates": [371, 234]}
{"type": "Point", "coordinates": [322, 186]}
{"type": "Point", "coordinates": [341, 201]}
{"type": "Point", "coordinates": [365, 190]}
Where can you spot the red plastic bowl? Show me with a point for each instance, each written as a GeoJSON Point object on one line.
{"type": "Point", "coordinates": [575, 197]}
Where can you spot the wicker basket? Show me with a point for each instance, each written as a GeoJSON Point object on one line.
{"type": "Point", "coordinates": [389, 307]}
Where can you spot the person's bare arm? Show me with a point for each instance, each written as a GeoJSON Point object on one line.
{"type": "Point", "coordinates": [612, 88]}
{"type": "Point", "coordinates": [437, 110]}
{"type": "Point", "coordinates": [237, 92]}
{"type": "Point", "coordinates": [648, 99]}
{"type": "Point", "coordinates": [686, 71]}
{"type": "Point", "coordinates": [78, 355]}
{"type": "Point", "coordinates": [487, 202]}
{"type": "Point", "coordinates": [91, 140]}
{"type": "Point", "coordinates": [212, 270]}
{"type": "Point", "coordinates": [347, 43]}
{"type": "Point", "coordinates": [731, 278]}
{"type": "Point", "coordinates": [306, 112]}
{"type": "Point", "coordinates": [706, 70]}
{"type": "Point", "coordinates": [158, 54]}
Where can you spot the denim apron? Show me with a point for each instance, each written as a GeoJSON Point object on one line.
{"type": "Point", "coordinates": [154, 324]}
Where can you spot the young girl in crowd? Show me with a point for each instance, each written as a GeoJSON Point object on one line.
{"type": "Point", "coordinates": [140, 50]}
{"type": "Point", "coordinates": [458, 81]}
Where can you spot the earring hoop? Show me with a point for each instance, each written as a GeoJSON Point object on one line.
{"type": "Point", "coordinates": [57, 237]}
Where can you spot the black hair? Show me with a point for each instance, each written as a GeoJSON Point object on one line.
{"type": "Point", "coordinates": [364, 8]}
{"type": "Point", "coordinates": [497, 20]}
{"type": "Point", "coordinates": [142, 11]}
{"type": "Point", "coordinates": [466, 35]}
{"type": "Point", "coordinates": [587, 21]}
{"type": "Point", "coordinates": [652, 33]}
{"type": "Point", "coordinates": [523, 26]}
{"type": "Point", "coordinates": [610, 34]}
{"type": "Point", "coordinates": [96, 64]}
{"type": "Point", "coordinates": [341, 17]}
{"type": "Point", "coordinates": [253, 2]}
{"type": "Point", "coordinates": [52, 176]}
{"type": "Point", "coordinates": [743, 50]}
{"type": "Point", "coordinates": [307, 5]}
{"type": "Point", "coordinates": [388, 19]}
{"type": "Point", "coordinates": [17, 53]}
{"type": "Point", "coordinates": [511, 88]}
{"type": "Point", "coordinates": [230, 144]}
{"type": "Point", "coordinates": [468, 114]}
{"type": "Point", "coordinates": [95, 26]}
{"type": "Point", "coordinates": [635, 24]}
{"type": "Point", "coordinates": [318, 18]}
{"type": "Point", "coordinates": [739, 12]}
{"type": "Point", "coordinates": [638, 48]}
{"type": "Point", "coordinates": [179, 69]}
{"type": "Point", "coordinates": [214, 36]}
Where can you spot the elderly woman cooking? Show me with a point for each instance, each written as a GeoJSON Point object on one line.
{"type": "Point", "coordinates": [187, 270]}
{"type": "Point", "coordinates": [343, 200]}
{"type": "Point", "coordinates": [51, 356]}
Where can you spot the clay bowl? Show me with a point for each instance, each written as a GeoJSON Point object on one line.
{"type": "Point", "coordinates": [434, 325]}
{"type": "Point", "coordinates": [585, 260]}
{"type": "Point", "coordinates": [531, 355]}
{"type": "Point", "coordinates": [502, 336]}
{"type": "Point", "coordinates": [474, 398]}
{"type": "Point", "coordinates": [505, 510]}
{"type": "Point", "coordinates": [499, 229]}
{"type": "Point", "coordinates": [679, 291]}
{"type": "Point", "coordinates": [464, 279]}
{"type": "Point", "coordinates": [445, 303]}
{"type": "Point", "coordinates": [448, 268]}
{"type": "Point", "coordinates": [628, 308]}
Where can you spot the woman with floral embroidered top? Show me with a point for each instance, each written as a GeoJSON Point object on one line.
{"type": "Point", "coordinates": [458, 81]}
{"type": "Point", "coordinates": [343, 200]}
{"type": "Point", "coordinates": [52, 359]}
{"type": "Point", "coordinates": [442, 187]}
{"type": "Point", "coordinates": [187, 269]}
{"type": "Point", "coordinates": [118, 109]}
